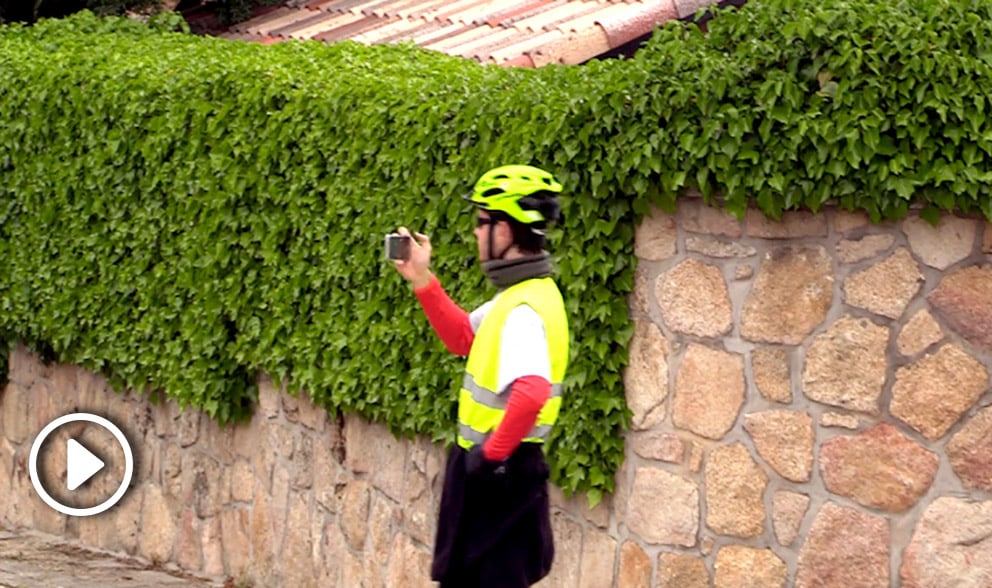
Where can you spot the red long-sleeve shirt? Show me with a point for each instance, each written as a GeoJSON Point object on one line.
{"type": "Point", "coordinates": [528, 394]}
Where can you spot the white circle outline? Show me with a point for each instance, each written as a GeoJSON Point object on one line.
{"type": "Point", "coordinates": [71, 418]}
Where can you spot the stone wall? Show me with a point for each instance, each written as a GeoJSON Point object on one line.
{"type": "Point", "coordinates": [811, 406]}
{"type": "Point", "coordinates": [811, 403]}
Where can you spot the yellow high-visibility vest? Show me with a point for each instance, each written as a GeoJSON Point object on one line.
{"type": "Point", "coordinates": [480, 405]}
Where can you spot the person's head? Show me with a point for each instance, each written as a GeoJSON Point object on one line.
{"type": "Point", "coordinates": [516, 205]}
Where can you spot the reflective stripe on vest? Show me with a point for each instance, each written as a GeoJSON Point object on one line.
{"type": "Point", "coordinates": [491, 398]}
{"type": "Point", "coordinates": [480, 406]}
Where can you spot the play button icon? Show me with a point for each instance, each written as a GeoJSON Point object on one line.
{"type": "Point", "coordinates": [81, 464]}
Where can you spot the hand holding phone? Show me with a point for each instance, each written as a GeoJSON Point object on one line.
{"type": "Point", "coordinates": [412, 257]}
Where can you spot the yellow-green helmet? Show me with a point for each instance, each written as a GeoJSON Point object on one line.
{"type": "Point", "coordinates": [501, 189]}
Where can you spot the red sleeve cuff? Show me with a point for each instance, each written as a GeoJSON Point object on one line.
{"type": "Point", "coordinates": [527, 397]}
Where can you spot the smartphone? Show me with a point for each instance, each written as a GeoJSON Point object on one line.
{"type": "Point", "coordinates": [397, 246]}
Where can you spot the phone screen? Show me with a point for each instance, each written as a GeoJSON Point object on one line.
{"type": "Point", "coordinates": [397, 246]}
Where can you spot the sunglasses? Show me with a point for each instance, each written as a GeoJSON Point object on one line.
{"type": "Point", "coordinates": [483, 221]}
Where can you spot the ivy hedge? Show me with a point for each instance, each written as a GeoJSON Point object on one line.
{"type": "Point", "coordinates": [183, 212]}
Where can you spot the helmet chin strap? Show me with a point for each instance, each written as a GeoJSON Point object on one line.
{"type": "Point", "coordinates": [492, 256]}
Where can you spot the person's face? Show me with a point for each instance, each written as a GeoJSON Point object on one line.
{"type": "Point", "coordinates": [501, 235]}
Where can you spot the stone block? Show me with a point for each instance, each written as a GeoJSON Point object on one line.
{"type": "Point", "coordinates": [296, 558]}
{"type": "Point", "coordinates": [264, 542]}
{"type": "Point", "coordinates": [384, 522]}
{"type": "Point", "coordinates": [646, 376]}
{"type": "Point", "coordinates": [790, 297]}
{"type": "Point", "coordinates": [970, 452]}
{"type": "Point", "coordinates": [355, 513]}
{"type": "Point", "coordinates": [738, 566]}
{"type": "Point", "coordinates": [951, 545]}
{"type": "Point", "coordinates": [793, 225]}
{"type": "Point", "coordinates": [735, 488]}
{"type": "Point", "coordinates": [933, 393]}
{"type": "Point", "coordinates": [237, 542]}
{"type": "Point", "coordinates": [663, 508]}
{"type": "Point", "coordinates": [962, 300]}
{"type": "Point", "coordinates": [269, 398]}
{"type": "Point", "coordinates": [772, 375]}
{"type": "Point", "coordinates": [920, 332]}
{"type": "Point", "coordinates": [331, 555]}
{"type": "Point", "coordinates": [784, 439]}
{"type": "Point", "coordinates": [944, 245]}
{"type": "Point", "coordinates": [887, 287]}
{"type": "Point", "coordinates": [639, 303]}
{"type": "Point", "coordinates": [682, 571]}
{"type": "Point", "coordinates": [568, 549]}
{"type": "Point", "coordinates": [694, 300]}
{"type": "Point", "coordinates": [206, 486]}
{"type": "Point", "coordinates": [836, 419]}
{"type": "Point", "coordinates": [846, 365]}
{"type": "Point", "coordinates": [212, 541]}
{"type": "Point", "coordinates": [880, 468]}
{"type": "Point", "coordinates": [693, 214]}
{"type": "Point", "coordinates": [25, 367]}
{"type": "Point", "coordinates": [302, 461]}
{"type": "Point", "coordinates": [659, 446]}
{"type": "Point", "coordinates": [846, 221]}
{"type": "Point", "coordinates": [127, 519]}
{"type": "Point", "coordinates": [718, 248]}
{"type": "Point", "coordinates": [409, 565]}
{"type": "Point", "coordinates": [598, 560]}
{"type": "Point", "coordinates": [788, 511]}
{"type": "Point", "coordinates": [189, 554]}
{"type": "Point", "coordinates": [17, 417]}
{"type": "Point", "coordinates": [371, 448]}
{"type": "Point", "coordinates": [635, 566]}
{"type": "Point", "coordinates": [709, 391]}
{"type": "Point", "coordinates": [853, 251]}
{"type": "Point", "coordinates": [845, 548]}
{"type": "Point", "coordinates": [655, 237]}
{"type": "Point", "coordinates": [300, 409]}
{"type": "Point", "coordinates": [188, 427]}
{"type": "Point", "coordinates": [158, 526]}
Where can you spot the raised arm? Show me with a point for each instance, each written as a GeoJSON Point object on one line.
{"type": "Point", "coordinates": [450, 322]}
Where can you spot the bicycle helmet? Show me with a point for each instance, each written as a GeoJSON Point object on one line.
{"type": "Point", "coordinates": [506, 189]}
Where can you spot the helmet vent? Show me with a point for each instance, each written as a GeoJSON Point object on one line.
{"type": "Point", "coordinates": [492, 192]}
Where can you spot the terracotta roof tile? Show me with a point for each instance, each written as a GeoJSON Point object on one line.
{"type": "Point", "coordinates": [520, 61]}
{"type": "Point", "coordinates": [417, 27]}
{"type": "Point", "coordinates": [471, 47]}
{"type": "Point", "coordinates": [454, 11]}
{"type": "Point", "coordinates": [316, 16]}
{"type": "Point", "coordinates": [563, 12]}
{"type": "Point", "coordinates": [515, 33]}
{"type": "Point", "coordinates": [467, 34]}
{"type": "Point", "coordinates": [398, 24]}
{"type": "Point", "coordinates": [517, 12]}
{"type": "Point", "coordinates": [330, 22]}
{"type": "Point", "coordinates": [255, 23]}
{"type": "Point", "coordinates": [485, 53]}
{"type": "Point", "coordinates": [627, 25]}
{"type": "Point", "coordinates": [284, 19]}
{"type": "Point", "coordinates": [370, 34]}
{"type": "Point", "coordinates": [445, 31]}
{"type": "Point", "coordinates": [525, 45]}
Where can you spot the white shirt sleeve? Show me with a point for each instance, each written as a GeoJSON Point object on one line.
{"type": "Point", "coordinates": [476, 316]}
{"type": "Point", "coordinates": [523, 349]}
